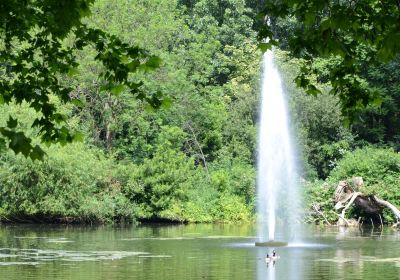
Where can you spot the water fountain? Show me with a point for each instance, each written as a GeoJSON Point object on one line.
{"type": "Point", "coordinates": [278, 198]}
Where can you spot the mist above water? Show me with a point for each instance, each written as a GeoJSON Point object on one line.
{"type": "Point", "coordinates": [278, 195]}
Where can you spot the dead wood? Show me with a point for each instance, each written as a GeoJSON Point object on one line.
{"type": "Point", "coordinates": [345, 196]}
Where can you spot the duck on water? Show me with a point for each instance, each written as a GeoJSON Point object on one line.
{"type": "Point", "coordinates": [274, 257]}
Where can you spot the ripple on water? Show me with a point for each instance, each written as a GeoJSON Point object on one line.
{"type": "Point", "coordinates": [18, 263]}
{"type": "Point", "coordinates": [37, 256]}
{"type": "Point", "coordinates": [188, 238]}
{"type": "Point", "coordinates": [59, 240]}
{"type": "Point", "coordinates": [156, 238]}
{"type": "Point", "coordinates": [47, 239]}
{"type": "Point", "coordinates": [308, 245]}
{"type": "Point", "coordinates": [227, 237]}
{"type": "Point", "coordinates": [155, 256]}
{"type": "Point", "coordinates": [290, 245]}
{"type": "Point", "coordinates": [31, 237]}
{"type": "Point", "coordinates": [372, 259]}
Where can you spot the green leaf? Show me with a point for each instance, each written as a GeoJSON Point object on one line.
{"type": "Point", "coordinates": [118, 89]}
{"type": "Point", "coordinates": [166, 103]}
{"type": "Point", "coordinates": [78, 103]}
{"type": "Point", "coordinates": [132, 66]}
{"type": "Point", "coordinates": [260, 16]}
{"type": "Point", "coordinates": [78, 136]}
{"type": "Point", "coordinates": [377, 101]}
{"type": "Point", "coordinates": [19, 143]}
{"type": "Point", "coordinates": [12, 123]}
{"type": "Point", "coordinates": [37, 153]}
{"type": "Point", "coordinates": [2, 144]}
{"type": "Point", "coordinates": [73, 72]}
{"type": "Point", "coordinates": [309, 18]}
{"type": "Point", "coordinates": [312, 90]}
{"type": "Point", "coordinates": [149, 108]}
{"type": "Point", "coordinates": [153, 62]}
{"type": "Point", "coordinates": [59, 118]}
{"type": "Point", "coordinates": [267, 46]}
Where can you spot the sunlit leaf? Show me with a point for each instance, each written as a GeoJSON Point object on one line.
{"type": "Point", "coordinates": [118, 89]}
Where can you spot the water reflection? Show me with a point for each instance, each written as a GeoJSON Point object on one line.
{"type": "Point", "coordinates": [358, 255]}
{"type": "Point", "coordinates": [289, 265]}
{"type": "Point", "coordinates": [357, 232]}
{"type": "Point", "coordinates": [194, 252]}
{"type": "Point", "coordinates": [265, 270]}
{"type": "Point", "coordinates": [336, 253]}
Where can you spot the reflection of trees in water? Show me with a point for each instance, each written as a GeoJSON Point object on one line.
{"type": "Point", "coordinates": [345, 233]}
{"type": "Point", "coordinates": [357, 260]}
{"type": "Point", "coordinates": [346, 259]}
{"type": "Point", "coordinates": [359, 253]}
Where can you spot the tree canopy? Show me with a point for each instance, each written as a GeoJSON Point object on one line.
{"type": "Point", "coordinates": [350, 35]}
{"type": "Point", "coordinates": [39, 40]}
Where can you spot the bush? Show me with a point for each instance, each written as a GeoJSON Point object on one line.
{"type": "Point", "coordinates": [73, 183]}
{"type": "Point", "coordinates": [380, 169]}
{"type": "Point", "coordinates": [232, 208]}
{"type": "Point", "coordinates": [221, 198]}
{"type": "Point", "coordinates": [375, 165]}
{"type": "Point", "coordinates": [321, 196]}
{"type": "Point", "coordinates": [159, 186]}
{"type": "Point", "coordinates": [202, 199]}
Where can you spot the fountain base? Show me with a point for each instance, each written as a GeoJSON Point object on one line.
{"type": "Point", "coordinates": [271, 243]}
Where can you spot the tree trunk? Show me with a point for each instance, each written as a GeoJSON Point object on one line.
{"type": "Point", "coordinates": [393, 208]}
{"type": "Point", "coordinates": [345, 196]}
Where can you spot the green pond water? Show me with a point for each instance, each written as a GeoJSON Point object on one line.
{"type": "Point", "coordinates": [193, 252]}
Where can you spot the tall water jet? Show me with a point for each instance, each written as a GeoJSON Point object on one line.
{"type": "Point", "coordinates": [277, 178]}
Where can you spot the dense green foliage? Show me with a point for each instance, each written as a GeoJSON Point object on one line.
{"type": "Point", "coordinates": [348, 50]}
{"type": "Point", "coordinates": [380, 170]}
{"type": "Point", "coordinates": [376, 166]}
{"type": "Point", "coordinates": [38, 46]}
{"type": "Point", "coordinates": [72, 184]}
{"type": "Point", "coordinates": [192, 159]}
{"type": "Point", "coordinates": [349, 36]}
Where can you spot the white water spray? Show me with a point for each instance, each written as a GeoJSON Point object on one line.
{"type": "Point", "coordinates": [277, 176]}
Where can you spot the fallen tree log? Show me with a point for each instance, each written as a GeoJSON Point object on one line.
{"type": "Point", "coordinates": [395, 211]}
{"type": "Point", "coordinates": [368, 204]}
{"type": "Point", "coordinates": [345, 196]}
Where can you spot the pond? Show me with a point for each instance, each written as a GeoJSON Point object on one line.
{"type": "Point", "coordinates": [195, 251]}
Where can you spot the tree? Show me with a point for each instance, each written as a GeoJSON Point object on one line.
{"type": "Point", "coordinates": [382, 125]}
{"type": "Point", "coordinates": [38, 43]}
{"type": "Point", "coordinates": [351, 35]}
